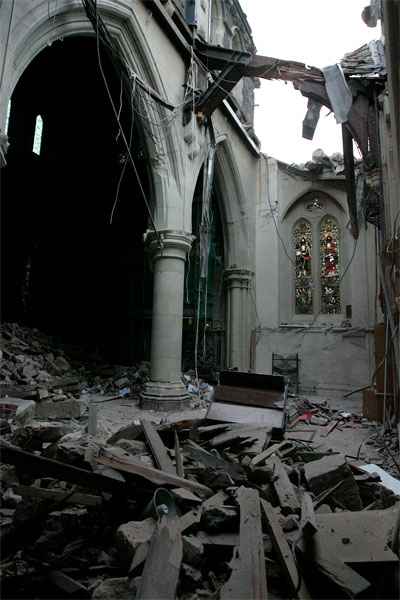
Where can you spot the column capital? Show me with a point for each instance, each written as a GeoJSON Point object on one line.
{"type": "Point", "coordinates": [237, 277]}
{"type": "Point", "coordinates": [168, 243]}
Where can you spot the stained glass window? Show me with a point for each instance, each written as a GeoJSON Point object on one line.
{"type": "Point", "coordinates": [330, 266]}
{"type": "Point", "coordinates": [302, 241]}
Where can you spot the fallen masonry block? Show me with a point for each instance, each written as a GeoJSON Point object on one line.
{"type": "Point", "coordinates": [131, 535]}
{"type": "Point", "coordinates": [65, 409]}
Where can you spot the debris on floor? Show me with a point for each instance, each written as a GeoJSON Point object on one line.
{"type": "Point", "coordinates": [36, 367]}
{"type": "Point", "coordinates": [193, 509]}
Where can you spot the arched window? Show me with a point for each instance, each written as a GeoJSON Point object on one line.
{"type": "Point", "coordinates": [303, 244]}
{"type": "Point", "coordinates": [37, 138]}
{"type": "Point", "coordinates": [330, 266]}
{"type": "Point", "coordinates": [311, 283]}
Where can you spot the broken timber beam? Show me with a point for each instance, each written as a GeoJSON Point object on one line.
{"type": "Point", "coordinates": [32, 491]}
{"type": "Point", "coordinates": [158, 450]}
{"type": "Point", "coordinates": [284, 488]}
{"type": "Point", "coordinates": [161, 570]}
{"type": "Point", "coordinates": [248, 578]}
{"type": "Point", "coordinates": [348, 156]}
{"type": "Point", "coordinates": [38, 465]}
{"type": "Point", "coordinates": [235, 471]}
{"type": "Point", "coordinates": [285, 556]}
{"type": "Point", "coordinates": [155, 476]}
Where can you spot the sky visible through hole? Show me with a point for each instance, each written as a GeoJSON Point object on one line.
{"type": "Point", "coordinates": [316, 32]}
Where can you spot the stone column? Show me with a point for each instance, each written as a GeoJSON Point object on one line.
{"type": "Point", "coordinates": [166, 391]}
{"type": "Point", "coordinates": [238, 283]}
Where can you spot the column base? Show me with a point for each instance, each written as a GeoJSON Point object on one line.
{"type": "Point", "coordinates": [164, 396]}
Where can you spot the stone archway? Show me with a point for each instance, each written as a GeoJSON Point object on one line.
{"type": "Point", "coordinates": [66, 268]}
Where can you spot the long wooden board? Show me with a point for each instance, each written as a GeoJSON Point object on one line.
{"type": "Point", "coordinates": [153, 475]}
{"type": "Point", "coordinates": [284, 553]}
{"type": "Point", "coordinates": [248, 578]}
{"type": "Point", "coordinates": [157, 448]}
{"type": "Point", "coordinates": [41, 466]}
{"type": "Point", "coordinates": [161, 570]}
{"type": "Point", "coordinates": [283, 487]}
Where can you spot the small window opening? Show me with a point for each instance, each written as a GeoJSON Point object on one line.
{"type": "Point", "coordinates": [37, 139]}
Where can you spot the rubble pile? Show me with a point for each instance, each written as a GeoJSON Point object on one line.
{"type": "Point", "coordinates": [191, 510]}
{"type": "Point", "coordinates": [33, 366]}
{"type": "Point", "coordinates": [385, 441]}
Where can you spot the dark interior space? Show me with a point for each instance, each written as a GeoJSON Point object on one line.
{"type": "Point", "coordinates": [65, 269]}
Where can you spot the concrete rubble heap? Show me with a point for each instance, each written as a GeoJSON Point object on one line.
{"type": "Point", "coordinates": [35, 367]}
{"type": "Point", "coordinates": [192, 509]}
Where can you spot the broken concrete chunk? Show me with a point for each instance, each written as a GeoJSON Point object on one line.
{"type": "Point", "coordinates": [110, 589]}
{"type": "Point", "coordinates": [40, 432]}
{"type": "Point", "coordinates": [63, 409]}
{"type": "Point", "coordinates": [131, 535]}
{"type": "Point", "coordinates": [193, 551]}
{"type": "Point", "coordinates": [133, 447]}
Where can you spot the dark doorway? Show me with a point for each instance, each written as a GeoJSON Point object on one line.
{"type": "Point", "coordinates": [65, 269]}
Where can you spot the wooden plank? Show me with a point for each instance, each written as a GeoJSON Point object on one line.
{"type": "Point", "coordinates": [238, 434]}
{"type": "Point", "coordinates": [235, 471]}
{"type": "Point", "coordinates": [193, 517]}
{"type": "Point", "coordinates": [284, 489]}
{"type": "Point", "coordinates": [308, 523]}
{"type": "Point", "coordinates": [155, 476]}
{"type": "Point", "coordinates": [33, 464]}
{"type": "Point", "coordinates": [178, 456]}
{"type": "Point", "coordinates": [161, 570]}
{"type": "Point", "coordinates": [284, 553]}
{"type": "Point", "coordinates": [31, 491]}
{"type": "Point", "coordinates": [274, 449]}
{"type": "Point", "coordinates": [248, 578]}
{"type": "Point", "coordinates": [157, 448]}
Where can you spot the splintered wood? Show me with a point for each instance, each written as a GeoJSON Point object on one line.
{"type": "Point", "coordinates": [248, 578]}
{"type": "Point", "coordinates": [246, 515]}
{"type": "Point", "coordinates": [161, 570]}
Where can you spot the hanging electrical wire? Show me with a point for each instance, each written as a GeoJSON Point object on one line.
{"type": "Point", "coordinates": [125, 162]}
{"type": "Point", "coordinates": [104, 37]}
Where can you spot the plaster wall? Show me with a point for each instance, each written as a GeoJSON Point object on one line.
{"type": "Point", "coordinates": [335, 357]}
